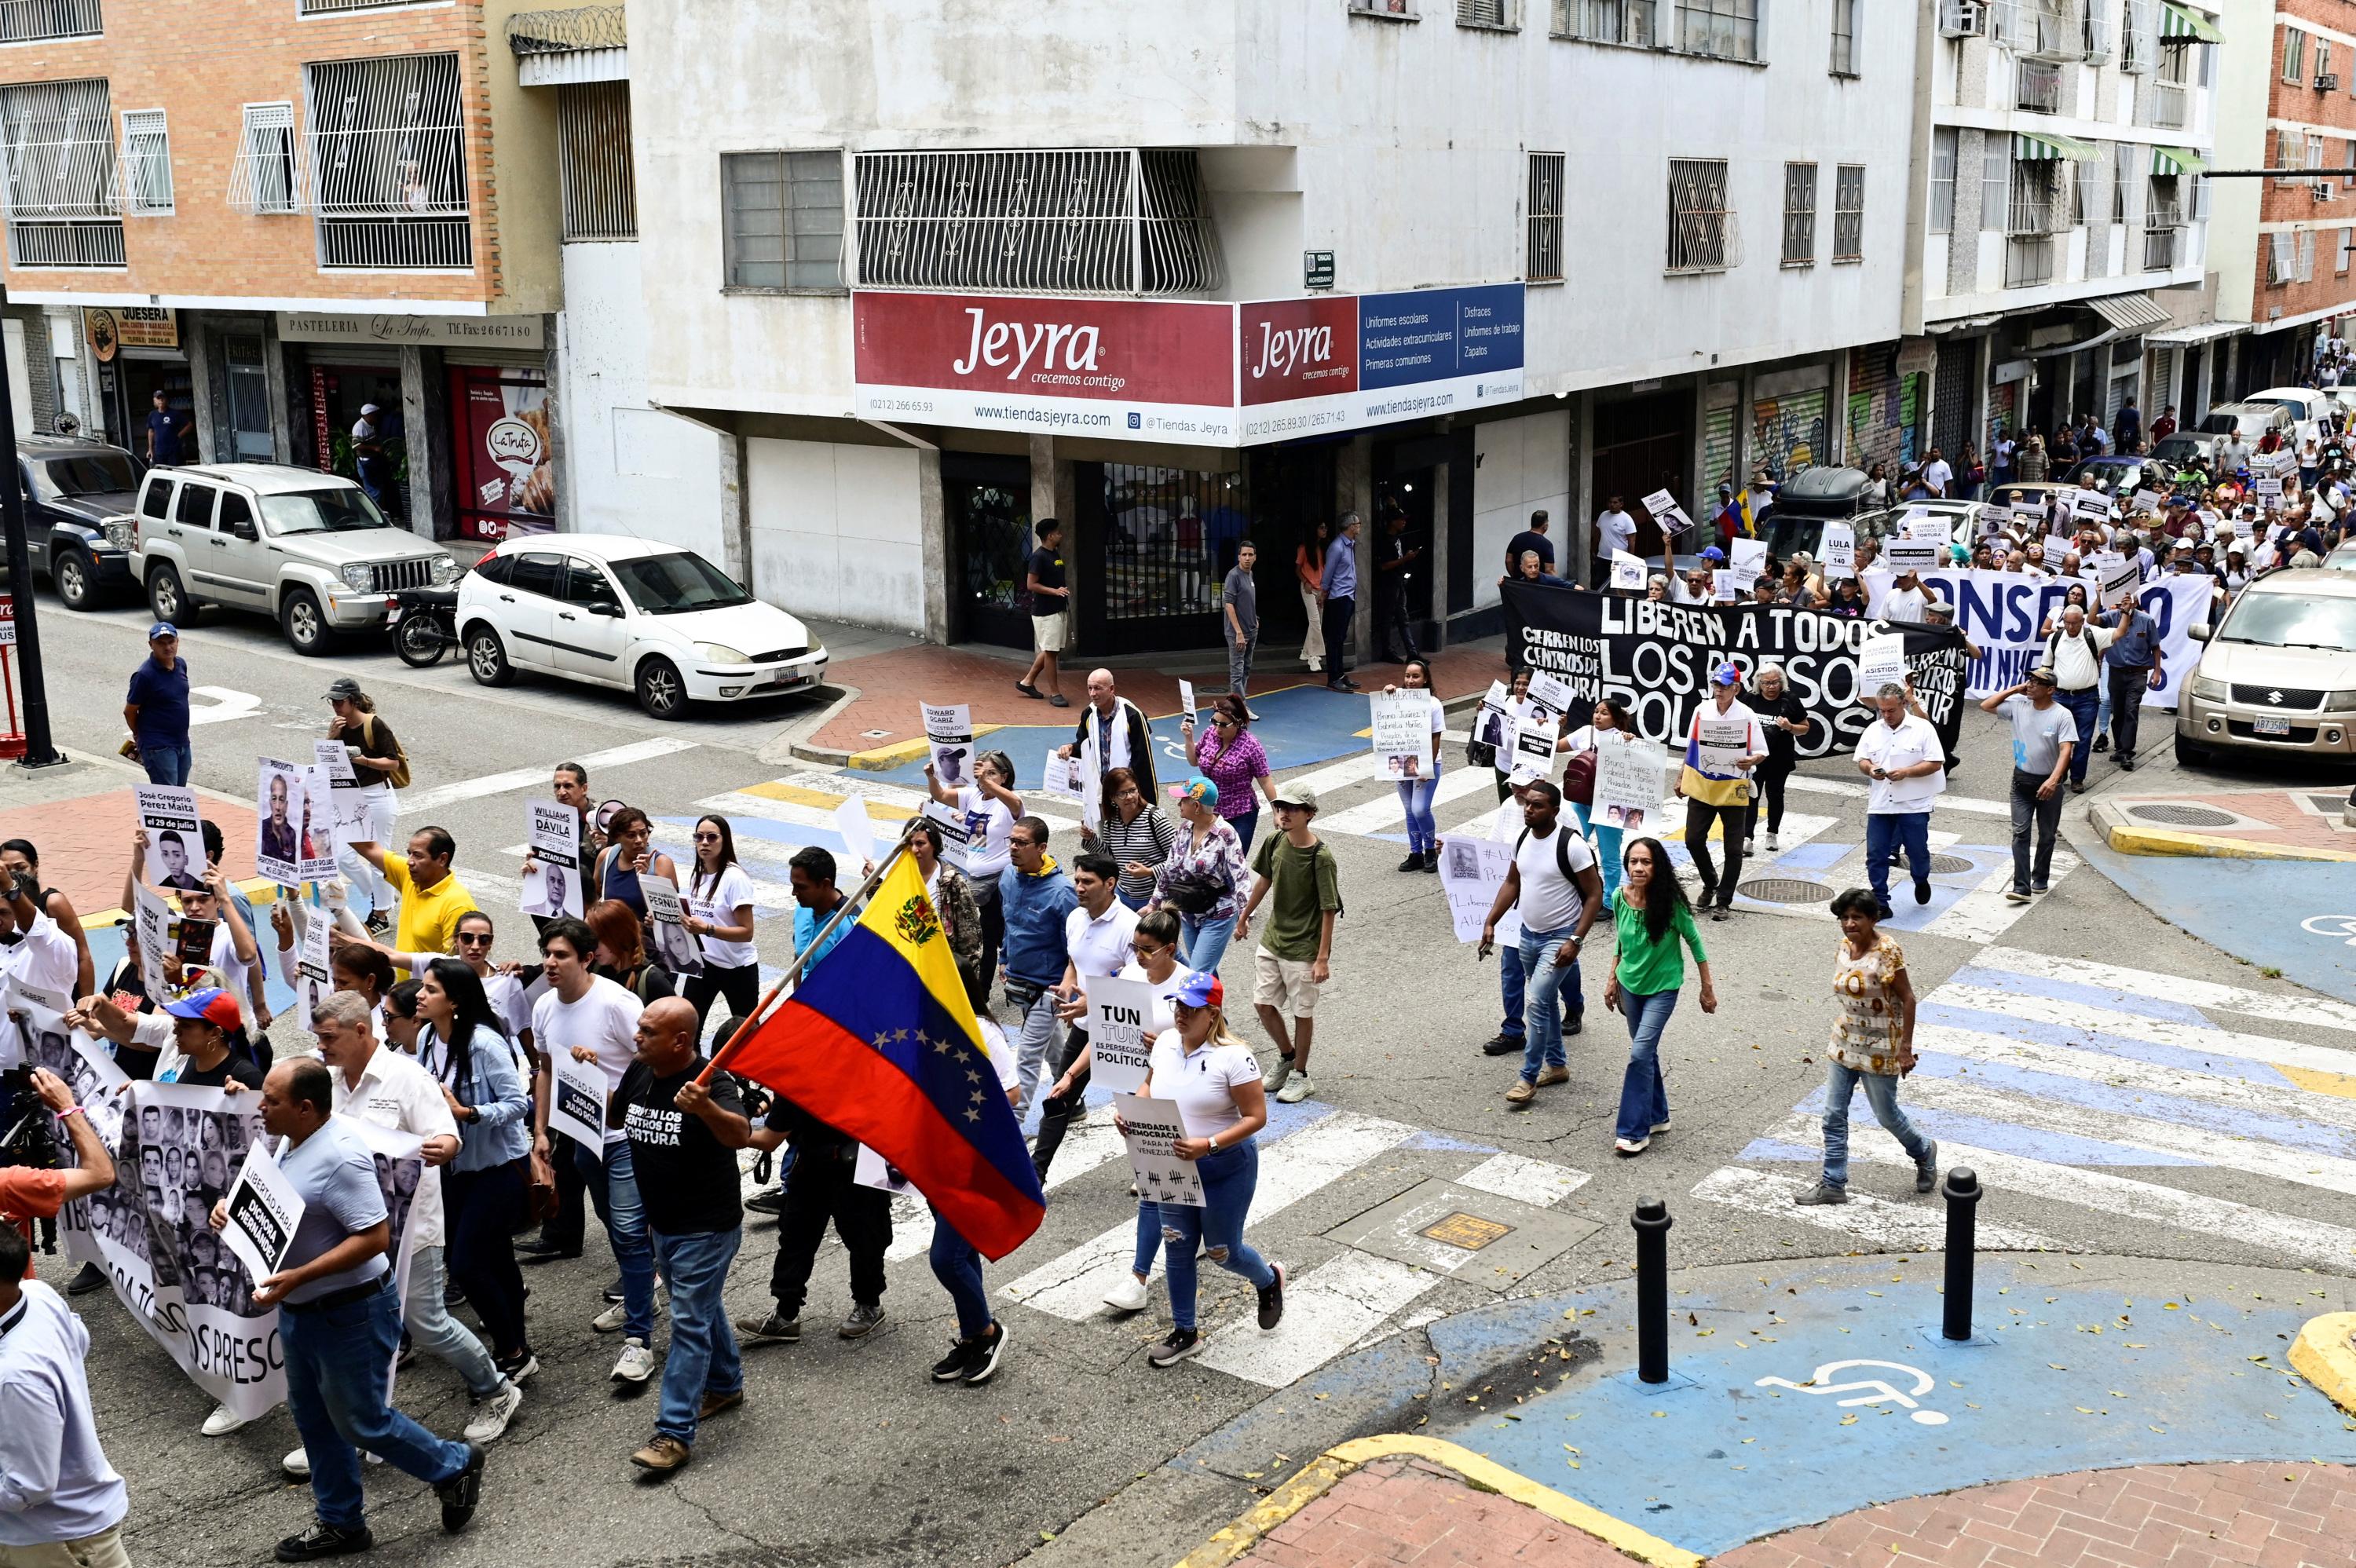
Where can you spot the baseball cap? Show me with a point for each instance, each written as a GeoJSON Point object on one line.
{"type": "Point", "coordinates": [1713, 553]}
{"type": "Point", "coordinates": [2043, 675]}
{"type": "Point", "coordinates": [343, 689]}
{"type": "Point", "coordinates": [1300, 795]}
{"type": "Point", "coordinates": [211, 1004]}
{"type": "Point", "coordinates": [162, 629]}
{"type": "Point", "coordinates": [1726, 675]}
{"type": "Point", "coordinates": [1200, 988]}
{"type": "Point", "coordinates": [369, 409]}
{"type": "Point", "coordinates": [1200, 790]}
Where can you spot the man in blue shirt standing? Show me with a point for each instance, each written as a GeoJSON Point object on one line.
{"type": "Point", "coordinates": [155, 709]}
{"type": "Point", "coordinates": [2130, 665]}
{"type": "Point", "coordinates": [165, 430]}
{"type": "Point", "coordinates": [1338, 592]}
{"type": "Point", "coordinates": [1036, 896]}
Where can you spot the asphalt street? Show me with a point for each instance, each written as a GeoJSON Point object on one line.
{"type": "Point", "coordinates": [2128, 1089]}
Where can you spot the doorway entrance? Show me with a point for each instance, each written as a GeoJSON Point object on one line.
{"type": "Point", "coordinates": [1641, 445]}
{"type": "Point", "coordinates": [987, 500]}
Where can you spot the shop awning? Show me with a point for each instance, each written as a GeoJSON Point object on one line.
{"type": "Point", "coordinates": [2177, 161]}
{"type": "Point", "coordinates": [2189, 337]}
{"type": "Point", "coordinates": [2046, 147]}
{"type": "Point", "coordinates": [2130, 313]}
{"type": "Point", "coordinates": [2184, 24]}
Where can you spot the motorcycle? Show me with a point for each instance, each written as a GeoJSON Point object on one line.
{"type": "Point", "coordinates": [422, 624]}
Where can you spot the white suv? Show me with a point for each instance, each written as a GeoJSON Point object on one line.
{"type": "Point", "coordinates": [307, 548]}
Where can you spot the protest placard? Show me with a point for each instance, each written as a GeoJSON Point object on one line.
{"type": "Point", "coordinates": [347, 796]}
{"type": "Point", "coordinates": [1493, 725]}
{"type": "Point", "coordinates": [1550, 691]}
{"type": "Point", "coordinates": [1186, 707]}
{"type": "Point", "coordinates": [857, 830]}
{"type": "Point", "coordinates": [311, 960]}
{"type": "Point", "coordinates": [293, 832]}
{"type": "Point", "coordinates": [1533, 741]}
{"type": "Point", "coordinates": [1721, 744]}
{"type": "Point", "coordinates": [1152, 1127]}
{"type": "Point", "coordinates": [2091, 506]}
{"type": "Point", "coordinates": [1839, 546]}
{"type": "Point", "coordinates": [1882, 660]}
{"type": "Point", "coordinates": [951, 824]}
{"type": "Point", "coordinates": [668, 942]}
{"type": "Point", "coordinates": [948, 735]}
{"type": "Point", "coordinates": [1629, 775]}
{"type": "Point", "coordinates": [1118, 1011]}
{"type": "Point", "coordinates": [152, 920]}
{"type": "Point", "coordinates": [578, 1109]}
{"type": "Point", "coordinates": [1903, 556]}
{"type": "Point", "coordinates": [1401, 732]}
{"type": "Point", "coordinates": [551, 880]}
{"type": "Point", "coordinates": [871, 1169]}
{"type": "Point", "coordinates": [1627, 571]}
{"type": "Point", "coordinates": [263, 1212]}
{"type": "Point", "coordinates": [2053, 551]}
{"type": "Point", "coordinates": [1471, 871]}
{"type": "Point", "coordinates": [1060, 776]}
{"type": "Point", "coordinates": [1722, 585]}
{"type": "Point", "coordinates": [2120, 576]}
{"type": "Point", "coordinates": [175, 845]}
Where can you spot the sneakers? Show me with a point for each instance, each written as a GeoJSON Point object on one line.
{"type": "Point", "coordinates": [615, 1292]}
{"type": "Point", "coordinates": [519, 1367]}
{"type": "Point", "coordinates": [1819, 1194]}
{"type": "Point", "coordinates": [771, 1329]}
{"type": "Point", "coordinates": [1272, 1300]}
{"type": "Point", "coordinates": [1502, 1045]}
{"type": "Point", "coordinates": [1575, 1024]}
{"type": "Point", "coordinates": [2041, 888]}
{"type": "Point", "coordinates": [1059, 700]}
{"type": "Point", "coordinates": [860, 1322]}
{"type": "Point", "coordinates": [1629, 1148]}
{"type": "Point", "coordinates": [1662, 1126]}
{"type": "Point", "coordinates": [1521, 1093]}
{"type": "Point", "coordinates": [1721, 911]}
{"type": "Point", "coordinates": [297, 1465]}
{"type": "Point", "coordinates": [2016, 896]}
{"type": "Point", "coordinates": [1129, 1296]}
{"type": "Point", "coordinates": [716, 1404]}
{"type": "Point", "coordinates": [1179, 1344]}
{"type": "Point", "coordinates": [1553, 1075]}
{"type": "Point", "coordinates": [1772, 846]}
{"type": "Point", "coordinates": [1926, 1170]}
{"type": "Point", "coordinates": [635, 1364]}
{"type": "Point", "coordinates": [491, 1417]}
{"type": "Point", "coordinates": [324, 1540]}
{"type": "Point", "coordinates": [224, 1420]}
{"type": "Point", "coordinates": [1274, 1078]}
{"type": "Point", "coordinates": [952, 1367]}
{"type": "Point", "coordinates": [1414, 862]}
{"type": "Point", "coordinates": [542, 1250]}
{"type": "Point", "coordinates": [1296, 1090]}
{"type": "Point", "coordinates": [769, 1200]}
{"type": "Point", "coordinates": [1027, 690]}
{"type": "Point", "coordinates": [663, 1455]}
{"type": "Point", "coordinates": [981, 1356]}
{"type": "Point", "coordinates": [613, 1319]}
{"type": "Point", "coordinates": [2101, 742]}
{"type": "Point", "coordinates": [461, 1492]}
{"type": "Point", "coordinates": [1922, 890]}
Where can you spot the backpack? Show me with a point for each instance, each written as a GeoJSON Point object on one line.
{"type": "Point", "coordinates": [398, 777]}
{"type": "Point", "coordinates": [1578, 778]}
{"type": "Point", "coordinates": [1562, 837]}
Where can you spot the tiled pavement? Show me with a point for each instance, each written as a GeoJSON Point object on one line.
{"type": "Point", "coordinates": [84, 836]}
{"type": "Point", "coordinates": [1405, 1510]}
{"type": "Point", "coordinates": [2306, 818]}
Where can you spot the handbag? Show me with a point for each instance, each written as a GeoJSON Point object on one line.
{"type": "Point", "coordinates": [1191, 892]}
{"type": "Point", "coordinates": [1578, 778]}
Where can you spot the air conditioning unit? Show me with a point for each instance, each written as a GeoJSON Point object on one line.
{"type": "Point", "coordinates": [2323, 191]}
{"type": "Point", "coordinates": [1961, 19]}
{"type": "Point", "coordinates": [2328, 81]}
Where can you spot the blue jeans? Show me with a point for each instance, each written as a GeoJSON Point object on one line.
{"type": "Point", "coordinates": [703, 1358]}
{"type": "Point", "coordinates": [1886, 833]}
{"type": "Point", "coordinates": [1881, 1093]}
{"type": "Point", "coordinates": [1541, 1024]}
{"type": "Point", "coordinates": [2085, 707]}
{"type": "Point", "coordinates": [1607, 852]}
{"type": "Point", "coordinates": [1414, 798]}
{"type": "Point", "coordinates": [2101, 710]}
{"type": "Point", "coordinates": [613, 1187]}
{"type": "Point", "coordinates": [432, 1330]}
{"type": "Point", "coordinates": [338, 1370]}
{"type": "Point", "coordinates": [1202, 941]}
{"type": "Point", "coordinates": [1511, 988]}
{"type": "Point", "coordinates": [168, 764]}
{"type": "Point", "coordinates": [1229, 1177]}
{"type": "Point", "coordinates": [1247, 824]}
{"type": "Point", "coordinates": [1643, 1097]}
{"type": "Point", "coordinates": [959, 1268]}
{"type": "Point", "coordinates": [1149, 1240]}
{"type": "Point", "coordinates": [1039, 1041]}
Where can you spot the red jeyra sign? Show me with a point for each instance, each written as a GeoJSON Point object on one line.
{"type": "Point", "coordinates": [1135, 351]}
{"type": "Point", "coordinates": [1298, 349]}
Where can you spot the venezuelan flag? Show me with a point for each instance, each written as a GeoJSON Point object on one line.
{"type": "Point", "coordinates": [879, 1042]}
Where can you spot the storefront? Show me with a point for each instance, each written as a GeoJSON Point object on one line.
{"type": "Point", "coordinates": [139, 354]}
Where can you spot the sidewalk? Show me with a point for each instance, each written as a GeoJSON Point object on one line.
{"type": "Point", "coordinates": [2223, 822]}
{"type": "Point", "coordinates": [81, 813]}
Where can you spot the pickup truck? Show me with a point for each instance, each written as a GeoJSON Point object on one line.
{"type": "Point", "coordinates": [309, 549]}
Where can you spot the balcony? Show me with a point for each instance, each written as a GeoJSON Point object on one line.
{"type": "Point", "coordinates": [2167, 105]}
{"type": "Point", "coordinates": [2163, 229]}
{"type": "Point", "coordinates": [2028, 261]}
{"type": "Point", "coordinates": [23, 21]}
{"type": "Point", "coordinates": [2038, 86]}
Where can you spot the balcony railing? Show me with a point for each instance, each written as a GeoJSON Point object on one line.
{"type": "Point", "coordinates": [2038, 86]}
{"type": "Point", "coordinates": [2036, 214]}
{"type": "Point", "coordinates": [2159, 246]}
{"type": "Point", "coordinates": [97, 242]}
{"type": "Point", "coordinates": [2167, 105]}
{"type": "Point", "coordinates": [2028, 261]}
{"type": "Point", "coordinates": [23, 21]}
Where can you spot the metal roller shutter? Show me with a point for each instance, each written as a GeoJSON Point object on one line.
{"type": "Point", "coordinates": [1788, 432]}
{"type": "Point", "coordinates": [1951, 398]}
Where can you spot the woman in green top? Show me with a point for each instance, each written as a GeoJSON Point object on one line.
{"type": "Point", "coordinates": [1649, 918]}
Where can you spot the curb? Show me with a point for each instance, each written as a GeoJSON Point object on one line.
{"type": "Point", "coordinates": [2130, 838]}
{"type": "Point", "coordinates": [1322, 1474]}
{"type": "Point", "coordinates": [2325, 1356]}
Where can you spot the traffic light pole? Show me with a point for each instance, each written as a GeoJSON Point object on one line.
{"type": "Point", "coordinates": [39, 752]}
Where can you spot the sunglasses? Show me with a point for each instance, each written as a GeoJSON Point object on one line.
{"type": "Point", "coordinates": [475, 939]}
{"type": "Point", "coordinates": [1223, 723]}
{"type": "Point", "coordinates": [707, 838]}
{"type": "Point", "coordinates": [1149, 948]}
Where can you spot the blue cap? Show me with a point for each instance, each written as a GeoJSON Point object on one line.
{"type": "Point", "coordinates": [1726, 675]}
{"type": "Point", "coordinates": [211, 1004]}
{"type": "Point", "coordinates": [1200, 988]}
{"type": "Point", "coordinates": [1197, 789]}
{"type": "Point", "coordinates": [1713, 553]}
{"type": "Point", "coordinates": [162, 629]}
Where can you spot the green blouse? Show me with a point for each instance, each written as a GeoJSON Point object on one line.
{"type": "Point", "coordinates": [1646, 966]}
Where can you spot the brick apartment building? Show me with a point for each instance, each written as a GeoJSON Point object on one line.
{"type": "Point", "coordinates": [2304, 278]}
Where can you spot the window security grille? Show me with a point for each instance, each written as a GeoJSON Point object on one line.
{"type": "Point", "coordinates": [64, 207]}
{"type": "Point", "coordinates": [146, 164]}
{"type": "Point", "coordinates": [592, 145]}
{"type": "Point", "coordinates": [385, 147]}
{"type": "Point", "coordinates": [1701, 228]}
{"type": "Point", "coordinates": [1484, 12]}
{"type": "Point", "coordinates": [1545, 260]}
{"type": "Point", "coordinates": [1848, 213]}
{"type": "Point", "coordinates": [22, 21]}
{"type": "Point", "coordinates": [1634, 22]}
{"type": "Point", "coordinates": [1799, 215]}
{"type": "Point", "coordinates": [267, 176]}
{"type": "Point", "coordinates": [1077, 220]}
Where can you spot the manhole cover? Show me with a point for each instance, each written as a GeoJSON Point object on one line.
{"type": "Point", "coordinates": [2328, 805]}
{"type": "Point", "coordinates": [1950, 864]}
{"type": "Point", "coordinates": [1468, 1231]}
{"type": "Point", "coordinates": [1786, 890]}
{"type": "Point", "coordinates": [2184, 815]}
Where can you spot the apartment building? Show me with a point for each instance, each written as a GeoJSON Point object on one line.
{"type": "Point", "coordinates": [1178, 275]}
{"type": "Point", "coordinates": [2064, 202]}
{"type": "Point", "coordinates": [307, 223]}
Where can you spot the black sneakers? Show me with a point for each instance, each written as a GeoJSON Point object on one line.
{"type": "Point", "coordinates": [324, 1540]}
{"type": "Point", "coordinates": [1176, 1346]}
{"type": "Point", "coordinates": [952, 1367]}
{"type": "Point", "coordinates": [981, 1358]}
{"type": "Point", "coordinates": [1272, 1300]}
{"type": "Point", "coordinates": [461, 1492]}
{"type": "Point", "coordinates": [1502, 1045]}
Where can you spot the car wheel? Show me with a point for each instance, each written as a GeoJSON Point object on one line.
{"type": "Point", "coordinates": [2189, 755]}
{"type": "Point", "coordinates": [305, 624]}
{"type": "Point", "coordinates": [77, 579]}
{"type": "Point", "coordinates": [486, 658]}
{"type": "Point", "coordinates": [660, 691]}
{"type": "Point", "coordinates": [168, 599]}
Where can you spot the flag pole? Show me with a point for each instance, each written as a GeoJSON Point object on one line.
{"type": "Point", "coordinates": [793, 971]}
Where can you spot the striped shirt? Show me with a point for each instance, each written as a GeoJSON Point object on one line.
{"type": "Point", "coordinates": [1144, 839]}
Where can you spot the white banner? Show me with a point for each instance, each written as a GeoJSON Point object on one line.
{"type": "Point", "coordinates": [1401, 734]}
{"type": "Point", "coordinates": [552, 877]}
{"type": "Point", "coordinates": [2000, 612]}
{"type": "Point", "coordinates": [1628, 779]}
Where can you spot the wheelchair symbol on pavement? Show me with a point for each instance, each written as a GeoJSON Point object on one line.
{"type": "Point", "coordinates": [1868, 1391]}
{"type": "Point", "coordinates": [2330, 925]}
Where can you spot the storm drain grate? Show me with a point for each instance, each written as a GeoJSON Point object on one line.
{"type": "Point", "coordinates": [1786, 890]}
{"type": "Point", "coordinates": [2184, 815]}
{"type": "Point", "coordinates": [1947, 865]}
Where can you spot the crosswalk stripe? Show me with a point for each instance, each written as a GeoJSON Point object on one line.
{"type": "Point", "coordinates": [1363, 767]}
{"type": "Point", "coordinates": [1326, 1310]}
{"type": "Point", "coordinates": [1900, 1227]}
{"type": "Point", "coordinates": [2262, 1094]}
{"type": "Point", "coordinates": [1983, 914]}
{"type": "Point", "coordinates": [425, 802]}
{"type": "Point", "coordinates": [1385, 811]}
{"type": "Point", "coordinates": [1091, 1144]}
{"type": "Point", "coordinates": [2179, 988]}
{"type": "Point", "coordinates": [1072, 1285]}
{"type": "Point", "coordinates": [2031, 1016]}
{"type": "Point", "coordinates": [1525, 1181]}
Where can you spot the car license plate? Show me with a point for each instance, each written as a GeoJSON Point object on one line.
{"type": "Point", "coordinates": [392, 616]}
{"type": "Point", "coordinates": [789, 677]}
{"type": "Point", "coordinates": [2273, 724]}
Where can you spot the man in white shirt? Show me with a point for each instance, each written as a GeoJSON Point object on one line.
{"type": "Point", "coordinates": [1907, 599]}
{"type": "Point", "coordinates": [1554, 881]}
{"type": "Point", "coordinates": [33, 952]}
{"type": "Point", "coordinates": [2074, 652]}
{"type": "Point", "coordinates": [1900, 752]}
{"type": "Point", "coordinates": [1098, 937]}
{"type": "Point", "coordinates": [1615, 530]}
{"type": "Point", "coordinates": [1938, 474]}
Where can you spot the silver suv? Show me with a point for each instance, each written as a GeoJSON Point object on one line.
{"type": "Point", "coordinates": [309, 549]}
{"type": "Point", "coordinates": [2279, 673]}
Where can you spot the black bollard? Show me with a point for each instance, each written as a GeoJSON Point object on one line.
{"type": "Point", "coordinates": [1652, 1225]}
{"type": "Point", "coordinates": [1962, 1191]}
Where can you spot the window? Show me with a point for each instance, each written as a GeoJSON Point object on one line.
{"type": "Point", "coordinates": [538, 573]}
{"type": "Point", "coordinates": [2314, 151]}
{"type": "Point", "coordinates": [2306, 256]}
{"type": "Point", "coordinates": [1799, 215]}
{"type": "Point", "coordinates": [2097, 31]}
{"type": "Point", "coordinates": [22, 21]}
{"type": "Point", "coordinates": [1844, 37]}
{"type": "Point", "coordinates": [1609, 21]}
{"type": "Point", "coordinates": [593, 160]}
{"type": "Point", "coordinates": [782, 214]}
{"type": "Point", "coordinates": [1486, 13]}
{"type": "Point", "coordinates": [2291, 154]}
{"type": "Point", "coordinates": [2036, 86]}
{"type": "Point", "coordinates": [2282, 257]}
{"type": "Point", "coordinates": [1545, 260]}
{"type": "Point", "coordinates": [2347, 245]}
{"type": "Point", "coordinates": [195, 509]}
{"type": "Point", "coordinates": [2322, 60]}
{"type": "Point", "coordinates": [2294, 55]}
{"type": "Point", "coordinates": [1070, 220]}
{"type": "Point", "coordinates": [235, 515]}
{"type": "Point", "coordinates": [147, 163]}
{"type": "Point", "coordinates": [1402, 10]}
{"type": "Point", "coordinates": [1849, 212]}
{"type": "Point", "coordinates": [266, 178]}
{"type": "Point", "coordinates": [1943, 179]}
{"type": "Point", "coordinates": [1700, 228]}
{"type": "Point", "coordinates": [1996, 175]}
{"type": "Point", "coordinates": [584, 584]}
{"type": "Point", "coordinates": [2348, 178]}
{"type": "Point", "coordinates": [64, 210]}
{"type": "Point", "coordinates": [386, 140]}
{"type": "Point", "coordinates": [2138, 36]}
{"type": "Point", "coordinates": [1728, 29]}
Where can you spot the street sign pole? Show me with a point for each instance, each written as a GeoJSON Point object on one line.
{"type": "Point", "coordinates": [39, 750]}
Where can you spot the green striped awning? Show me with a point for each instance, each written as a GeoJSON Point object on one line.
{"type": "Point", "coordinates": [2183, 23]}
{"type": "Point", "coordinates": [2177, 161]}
{"type": "Point", "coordinates": [2046, 147]}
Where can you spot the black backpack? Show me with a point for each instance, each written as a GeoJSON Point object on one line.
{"type": "Point", "coordinates": [1562, 837]}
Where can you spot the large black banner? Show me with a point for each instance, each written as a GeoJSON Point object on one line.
{"type": "Point", "coordinates": [1659, 658]}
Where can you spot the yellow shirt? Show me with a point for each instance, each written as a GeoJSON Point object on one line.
{"type": "Point", "coordinates": [428, 919]}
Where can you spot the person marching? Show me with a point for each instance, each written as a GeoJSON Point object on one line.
{"type": "Point", "coordinates": [719, 899]}
{"type": "Point", "coordinates": [1297, 873]}
{"type": "Point", "coordinates": [1553, 878]}
{"type": "Point", "coordinates": [1416, 794]}
{"type": "Point", "coordinates": [991, 808]}
{"type": "Point", "coordinates": [1155, 945]}
{"type": "Point", "coordinates": [1231, 757]}
{"type": "Point", "coordinates": [1872, 1044]}
{"type": "Point", "coordinates": [1097, 936]}
{"type": "Point", "coordinates": [1202, 878]}
{"type": "Point", "coordinates": [1648, 921]}
{"type": "Point", "coordinates": [381, 767]}
{"type": "Point", "coordinates": [1719, 790]}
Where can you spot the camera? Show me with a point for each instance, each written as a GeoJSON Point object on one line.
{"type": "Point", "coordinates": [29, 1133]}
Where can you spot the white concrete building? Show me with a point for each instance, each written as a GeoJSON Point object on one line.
{"type": "Point", "coordinates": [938, 268]}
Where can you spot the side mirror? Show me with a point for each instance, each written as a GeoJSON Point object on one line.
{"type": "Point", "coordinates": [2198, 633]}
{"type": "Point", "coordinates": [245, 531]}
{"type": "Point", "coordinates": [611, 611]}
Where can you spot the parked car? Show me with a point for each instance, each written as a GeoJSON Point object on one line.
{"type": "Point", "coordinates": [2342, 557]}
{"type": "Point", "coordinates": [307, 548]}
{"type": "Point", "coordinates": [615, 611]}
{"type": "Point", "coordinates": [2279, 673]}
{"type": "Point", "coordinates": [2309, 408]}
{"type": "Point", "coordinates": [2180, 451]}
{"type": "Point", "coordinates": [78, 522]}
{"type": "Point", "coordinates": [1806, 502]}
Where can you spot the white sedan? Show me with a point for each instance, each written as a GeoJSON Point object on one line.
{"type": "Point", "coordinates": [615, 611]}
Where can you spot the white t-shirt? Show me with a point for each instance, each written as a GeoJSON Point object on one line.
{"type": "Point", "coordinates": [1160, 1016]}
{"type": "Point", "coordinates": [1002, 1055]}
{"type": "Point", "coordinates": [1905, 604]}
{"type": "Point", "coordinates": [1099, 947]}
{"type": "Point", "coordinates": [731, 892]}
{"type": "Point", "coordinates": [1618, 531]}
{"type": "Point", "coordinates": [1938, 475]}
{"type": "Point", "coordinates": [1550, 901]}
{"type": "Point", "coordinates": [1203, 1083]}
{"type": "Point", "coordinates": [1913, 740]}
{"type": "Point", "coordinates": [505, 993]}
{"type": "Point", "coordinates": [606, 1019]}
{"type": "Point", "coordinates": [987, 825]}
{"type": "Point", "coordinates": [396, 1092]}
